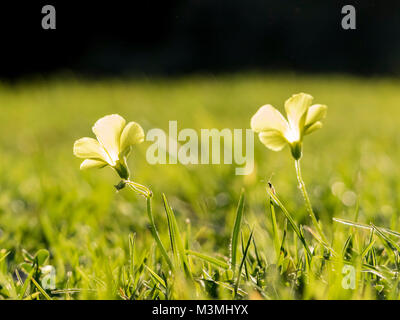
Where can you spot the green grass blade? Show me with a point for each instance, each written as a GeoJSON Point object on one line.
{"type": "Point", "coordinates": [348, 247]}
{"type": "Point", "coordinates": [26, 284]}
{"type": "Point", "coordinates": [290, 219]}
{"type": "Point", "coordinates": [391, 244]}
{"type": "Point", "coordinates": [236, 230]}
{"type": "Point", "coordinates": [239, 274]}
{"type": "Point", "coordinates": [32, 296]}
{"type": "Point", "coordinates": [246, 272]}
{"type": "Point", "coordinates": [156, 277]}
{"type": "Point", "coordinates": [4, 256]}
{"type": "Point", "coordinates": [367, 249]}
{"type": "Point", "coordinates": [259, 262]}
{"type": "Point", "coordinates": [156, 236]}
{"type": "Point", "coordinates": [366, 226]}
{"type": "Point", "coordinates": [41, 289]}
{"type": "Point", "coordinates": [131, 253]}
{"type": "Point", "coordinates": [172, 230]}
{"type": "Point", "coordinates": [176, 239]}
{"type": "Point", "coordinates": [316, 237]}
{"type": "Point", "coordinates": [277, 242]}
{"type": "Point", "coordinates": [282, 251]}
{"type": "Point", "coordinates": [209, 259]}
{"type": "Point", "coordinates": [188, 234]}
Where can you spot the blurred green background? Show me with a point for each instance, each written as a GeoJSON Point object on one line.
{"type": "Point", "coordinates": [47, 202]}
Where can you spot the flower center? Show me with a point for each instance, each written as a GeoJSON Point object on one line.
{"type": "Point", "coordinates": [292, 135]}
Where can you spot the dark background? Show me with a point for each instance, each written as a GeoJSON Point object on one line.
{"type": "Point", "coordinates": [178, 37]}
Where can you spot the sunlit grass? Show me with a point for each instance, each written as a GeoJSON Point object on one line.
{"type": "Point", "coordinates": [350, 168]}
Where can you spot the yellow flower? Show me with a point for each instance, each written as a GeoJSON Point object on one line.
{"type": "Point", "coordinates": [275, 131]}
{"type": "Point", "coordinates": [113, 144]}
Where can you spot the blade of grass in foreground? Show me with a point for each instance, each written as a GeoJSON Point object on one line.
{"type": "Point", "coordinates": [316, 237]}
{"type": "Point", "coordinates": [131, 252]}
{"type": "Point", "coordinates": [282, 250]}
{"type": "Point", "coordinates": [156, 277]}
{"type": "Point", "coordinates": [33, 296]}
{"type": "Point", "coordinates": [365, 226]}
{"type": "Point", "coordinates": [246, 272]}
{"type": "Point", "coordinates": [41, 289]}
{"type": "Point", "coordinates": [391, 244]}
{"type": "Point", "coordinates": [236, 230]}
{"type": "Point", "coordinates": [290, 219]}
{"type": "Point", "coordinates": [226, 285]}
{"type": "Point", "coordinates": [369, 247]}
{"type": "Point", "coordinates": [4, 256]}
{"type": "Point", "coordinates": [239, 274]}
{"type": "Point", "coordinates": [177, 245]}
{"type": "Point", "coordinates": [26, 283]}
{"type": "Point", "coordinates": [209, 259]}
{"type": "Point", "coordinates": [156, 236]}
{"type": "Point", "coordinates": [277, 242]}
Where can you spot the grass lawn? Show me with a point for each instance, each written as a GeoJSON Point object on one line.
{"type": "Point", "coordinates": [99, 242]}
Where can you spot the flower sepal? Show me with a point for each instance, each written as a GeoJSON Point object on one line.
{"type": "Point", "coordinates": [120, 185]}
{"type": "Point", "coordinates": [122, 169]}
{"type": "Point", "coordinates": [296, 148]}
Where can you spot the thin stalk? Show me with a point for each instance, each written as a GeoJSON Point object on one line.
{"type": "Point", "coordinates": [303, 189]}
{"type": "Point", "coordinates": [277, 243]}
{"type": "Point", "coordinates": [146, 192]}
{"type": "Point", "coordinates": [155, 234]}
{"type": "Point", "coordinates": [290, 219]}
{"type": "Point", "coordinates": [366, 226]}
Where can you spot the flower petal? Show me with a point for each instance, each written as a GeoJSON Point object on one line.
{"type": "Point", "coordinates": [273, 140]}
{"type": "Point", "coordinates": [89, 148]}
{"type": "Point", "coordinates": [315, 113]}
{"type": "Point", "coordinates": [315, 126]}
{"type": "Point", "coordinates": [91, 163]}
{"type": "Point", "coordinates": [108, 131]}
{"type": "Point", "coordinates": [132, 134]}
{"type": "Point", "coordinates": [296, 109]}
{"type": "Point", "coordinates": [268, 118]}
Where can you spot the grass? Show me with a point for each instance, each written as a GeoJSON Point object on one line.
{"type": "Point", "coordinates": [218, 244]}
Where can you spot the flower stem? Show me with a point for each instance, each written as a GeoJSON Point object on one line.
{"type": "Point", "coordinates": [155, 234]}
{"type": "Point", "coordinates": [303, 189]}
{"type": "Point", "coordinates": [148, 194]}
